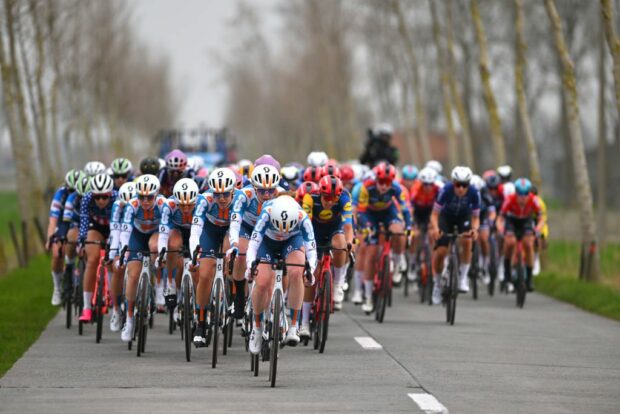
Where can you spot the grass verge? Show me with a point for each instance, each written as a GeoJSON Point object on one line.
{"type": "Point", "coordinates": [25, 309]}
{"type": "Point", "coordinates": [9, 211]}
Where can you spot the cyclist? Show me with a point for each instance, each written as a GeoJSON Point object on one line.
{"type": "Point", "coordinates": [458, 204]}
{"type": "Point", "coordinates": [290, 174]}
{"type": "Point", "coordinates": [505, 174]}
{"type": "Point", "coordinates": [313, 174]}
{"type": "Point", "coordinates": [176, 168]}
{"type": "Point", "coordinates": [423, 196]}
{"type": "Point", "coordinates": [93, 168]}
{"type": "Point", "coordinates": [283, 228]}
{"type": "Point", "coordinates": [245, 168]}
{"type": "Point", "coordinates": [541, 242]}
{"type": "Point", "coordinates": [307, 187]}
{"type": "Point", "coordinates": [374, 203]}
{"type": "Point", "coordinates": [121, 172]}
{"type": "Point", "coordinates": [56, 212]}
{"type": "Point", "coordinates": [409, 173]}
{"type": "Point", "coordinates": [317, 159]}
{"type": "Point", "coordinates": [332, 221]}
{"type": "Point", "coordinates": [487, 216]}
{"type": "Point", "coordinates": [125, 194]}
{"type": "Point", "coordinates": [247, 206]}
{"type": "Point", "coordinates": [211, 220]}
{"type": "Point", "coordinates": [378, 147]}
{"type": "Point", "coordinates": [141, 220]}
{"type": "Point", "coordinates": [348, 177]}
{"type": "Point", "coordinates": [515, 222]}
{"type": "Point", "coordinates": [149, 165]}
{"type": "Point", "coordinates": [95, 214]}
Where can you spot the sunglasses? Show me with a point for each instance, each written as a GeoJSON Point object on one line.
{"type": "Point", "coordinates": [102, 197]}
{"type": "Point", "coordinates": [146, 197]}
{"type": "Point", "coordinates": [385, 182]}
{"type": "Point", "coordinates": [269, 191]}
{"type": "Point", "coordinates": [225, 194]}
{"type": "Point", "coordinates": [115, 176]}
{"type": "Point", "coordinates": [329, 197]}
{"type": "Point", "coordinates": [462, 185]}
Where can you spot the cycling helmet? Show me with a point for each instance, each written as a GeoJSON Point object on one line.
{"type": "Point", "coordinates": [317, 159]}
{"type": "Point", "coordinates": [246, 167]}
{"type": "Point", "coordinates": [176, 160]}
{"type": "Point", "coordinates": [493, 181]}
{"type": "Point", "coordinates": [82, 186]}
{"type": "Point", "coordinates": [185, 191]}
{"type": "Point", "coordinates": [72, 177]}
{"type": "Point", "coordinates": [358, 171]}
{"type": "Point", "coordinates": [427, 175]}
{"type": "Point", "coordinates": [222, 180]}
{"type": "Point", "coordinates": [307, 187]}
{"type": "Point", "coordinates": [330, 186]}
{"type": "Point", "coordinates": [267, 160]}
{"type": "Point", "coordinates": [477, 182]}
{"type": "Point", "coordinates": [149, 165]}
{"type": "Point", "coordinates": [384, 172]}
{"type": "Point", "coordinates": [265, 177]}
{"type": "Point", "coordinates": [147, 185]}
{"type": "Point", "coordinates": [461, 174]}
{"type": "Point", "coordinates": [488, 173]}
{"type": "Point", "coordinates": [93, 168]}
{"type": "Point", "coordinates": [127, 192]}
{"type": "Point", "coordinates": [331, 170]}
{"type": "Point", "coordinates": [504, 171]}
{"type": "Point", "coordinates": [121, 166]}
{"type": "Point", "coordinates": [196, 163]}
{"type": "Point", "coordinates": [523, 186]}
{"type": "Point", "coordinates": [346, 173]}
{"type": "Point", "coordinates": [410, 172]}
{"type": "Point", "coordinates": [313, 174]}
{"type": "Point", "coordinates": [435, 165]}
{"type": "Point", "coordinates": [289, 173]}
{"type": "Point", "coordinates": [238, 179]}
{"type": "Point", "coordinates": [284, 213]}
{"type": "Point", "coordinates": [383, 129]}
{"type": "Point", "coordinates": [101, 184]}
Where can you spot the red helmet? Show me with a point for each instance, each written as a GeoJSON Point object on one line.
{"type": "Point", "coordinates": [384, 172]}
{"type": "Point", "coordinates": [330, 186]}
{"type": "Point", "coordinates": [313, 174]}
{"type": "Point", "coordinates": [332, 161]}
{"type": "Point", "coordinates": [330, 170]}
{"type": "Point", "coordinates": [346, 173]}
{"type": "Point", "coordinates": [307, 187]}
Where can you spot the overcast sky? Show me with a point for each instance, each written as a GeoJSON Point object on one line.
{"type": "Point", "coordinates": [191, 33]}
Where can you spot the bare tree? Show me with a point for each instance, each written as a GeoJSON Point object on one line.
{"type": "Point", "coordinates": [601, 155]}
{"type": "Point", "coordinates": [613, 41]}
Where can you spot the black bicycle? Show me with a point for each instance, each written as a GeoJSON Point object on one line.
{"type": "Point", "coordinates": [450, 290]}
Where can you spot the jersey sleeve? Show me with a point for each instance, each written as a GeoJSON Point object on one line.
{"type": "Point", "coordinates": [127, 222]}
{"type": "Point", "coordinates": [197, 222]}
{"type": "Point", "coordinates": [164, 226]}
{"type": "Point", "coordinates": [238, 208]}
{"type": "Point", "coordinates": [475, 202]}
{"type": "Point", "coordinates": [84, 218]}
{"type": "Point", "coordinates": [442, 199]}
{"type": "Point", "coordinates": [57, 203]}
{"type": "Point", "coordinates": [402, 200]}
{"type": "Point", "coordinates": [307, 203]}
{"type": "Point", "coordinates": [115, 226]}
{"type": "Point", "coordinates": [307, 233]}
{"type": "Point", "coordinates": [347, 209]}
{"type": "Point", "coordinates": [257, 237]}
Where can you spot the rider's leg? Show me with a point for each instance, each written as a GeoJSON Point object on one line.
{"type": "Point", "coordinates": [92, 262]}
{"type": "Point", "coordinates": [510, 242]}
{"type": "Point", "coordinates": [528, 247]}
{"type": "Point", "coordinates": [464, 263]}
{"type": "Point", "coordinates": [239, 279]}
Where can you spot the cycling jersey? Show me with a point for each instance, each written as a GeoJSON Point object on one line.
{"type": "Point", "coordinates": [144, 222]}
{"type": "Point", "coordinates": [246, 208]}
{"type": "Point", "coordinates": [115, 225]}
{"type": "Point", "coordinates": [328, 222]}
{"type": "Point", "coordinates": [94, 217]}
{"type": "Point", "coordinates": [487, 205]}
{"type": "Point", "coordinates": [166, 183]}
{"type": "Point", "coordinates": [421, 199]}
{"type": "Point", "coordinates": [58, 201]}
{"type": "Point", "coordinates": [70, 215]}
{"type": "Point", "coordinates": [513, 210]}
{"type": "Point", "coordinates": [210, 223]}
{"type": "Point", "coordinates": [369, 201]}
{"type": "Point", "coordinates": [173, 218]}
{"type": "Point", "coordinates": [543, 213]}
{"type": "Point", "coordinates": [450, 205]}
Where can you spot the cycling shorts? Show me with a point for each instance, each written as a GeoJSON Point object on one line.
{"type": "Point", "coordinates": [211, 239]}
{"type": "Point", "coordinates": [446, 225]}
{"type": "Point", "coordinates": [269, 248]}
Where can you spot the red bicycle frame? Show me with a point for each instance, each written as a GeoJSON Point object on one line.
{"type": "Point", "coordinates": [106, 291]}
{"type": "Point", "coordinates": [325, 266]}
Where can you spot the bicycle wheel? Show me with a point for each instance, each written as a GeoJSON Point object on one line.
{"type": "Point", "coordinates": [453, 290]}
{"type": "Point", "coordinates": [326, 310]}
{"type": "Point", "coordinates": [474, 271]}
{"type": "Point", "coordinates": [521, 288]}
{"type": "Point", "coordinates": [68, 296]}
{"type": "Point", "coordinates": [216, 303]}
{"type": "Point", "coordinates": [99, 306]}
{"type": "Point", "coordinates": [492, 266]}
{"type": "Point", "coordinates": [349, 279]}
{"type": "Point", "coordinates": [142, 317]}
{"type": "Point", "coordinates": [79, 295]}
{"type": "Point", "coordinates": [384, 292]}
{"type": "Point", "coordinates": [428, 273]}
{"type": "Point", "coordinates": [188, 312]}
{"type": "Point", "coordinates": [274, 344]}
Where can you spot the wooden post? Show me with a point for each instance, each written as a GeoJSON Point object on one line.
{"type": "Point", "coordinates": [40, 232]}
{"type": "Point", "coordinates": [25, 242]}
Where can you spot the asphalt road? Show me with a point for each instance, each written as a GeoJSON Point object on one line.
{"type": "Point", "coordinates": [549, 357]}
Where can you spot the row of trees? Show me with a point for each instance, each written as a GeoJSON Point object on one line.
{"type": "Point", "coordinates": [77, 85]}
{"type": "Point", "coordinates": [503, 82]}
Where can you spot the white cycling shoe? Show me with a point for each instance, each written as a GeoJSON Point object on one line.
{"type": "Point", "coordinates": [463, 283]}
{"type": "Point", "coordinates": [170, 290]}
{"type": "Point", "coordinates": [338, 296]}
{"type": "Point", "coordinates": [159, 296]}
{"type": "Point", "coordinates": [56, 298]}
{"type": "Point", "coordinates": [368, 306]}
{"type": "Point", "coordinates": [256, 341]}
{"type": "Point", "coordinates": [304, 331]}
{"type": "Point", "coordinates": [436, 297]}
{"type": "Point", "coordinates": [357, 298]}
{"type": "Point", "coordinates": [115, 322]}
{"type": "Point", "coordinates": [292, 336]}
{"type": "Point", "coordinates": [127, 331]}
{"type": "Point", "coordinates": [397, 277]}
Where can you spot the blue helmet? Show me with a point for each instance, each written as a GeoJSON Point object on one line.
{"type": "Point", "coordinates": [410, 172]}
{"type": "Point", "coordinates": [523, 186]}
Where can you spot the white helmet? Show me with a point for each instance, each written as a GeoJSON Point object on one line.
{"type": "Point", "coordinates": [93, 168]}
{"type": "Point", "coordinates": [477, 182]}
{"type": "Point", "coordinates": [284, 213]}
{"type": "Point", "coordinates": [461, 174]}
{"type": "Point", "coordinates": [435, 165]}
{"type": "Point", "coordinates": [222, 180]}
{"type": "Point", "coordinates": [147, 185]}
{"type": "Point", "coordinates": [317, 159]}
{"type": "Point", "coordinates": [265, 177]}
{"type": "Point", "coordinates": [504, 171]}
{"type": "Point", "coordinates": [383, 129]}
{"type": "Point", "coordinates": [185, 191]}
{"type": "Point", "coordinates": [358, 171]}
{"type": "Point", "coordinates": [427, 175]}
{"type": "Point", "coordinates": [101, 184]}
{"type": "Point", "coordinates": [127, 191]}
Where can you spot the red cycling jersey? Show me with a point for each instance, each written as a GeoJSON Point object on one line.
{"type": "Point", "coordinates": [421, 199]}
{"type": "Point", "coordinates": [512, 209]}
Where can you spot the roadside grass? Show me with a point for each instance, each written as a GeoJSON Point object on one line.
{"type": "Point", "coordinates": [9, 211]}
{"type": "Point", "coordinates": [25, 309]}
{"type": "Point", "coordinates": [559, 279]}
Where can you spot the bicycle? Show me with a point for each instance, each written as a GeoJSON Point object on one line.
{"type": "Point", "coordinates": [424, 267]}
{"type": "Point", "coordinates": [101, 299]}
{"type": "Point", "coordinates": [450, 291]}
{"type": "Point", "coordinates": [187, 302]}
{"type": "Point", "coordinates": [493, 261]}
{"type": "Point", "coordinates": [218, 317]}
{"type": "Point", "coordinates": [163, 273]}
{"type": "Point", "coordinates": [520, 286]}
{"type": "Point", "coordinates": [474, 269]}
{"type": "Point", "coordinates": [71, 285]}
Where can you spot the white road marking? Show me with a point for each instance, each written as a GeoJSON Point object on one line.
{"type": "Point", "coordinates": [428, 403]}
{"type": "Point", "coordinates": [367, 342]}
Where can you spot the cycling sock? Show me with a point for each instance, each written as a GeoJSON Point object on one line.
{"type": "Point", "coordinates": [68, 261]}
{"type": "Point", "coordinates": [305, 313]}
{"type": "Point", "coordinates": [369, 285]}
{"type": "Point", "coordinates": [357, 278]}
{"type": "Point", "coordinates": [294, 316]}
{"type": "Point", "coordinates": [201, 317]}
{"type": "Point", "coordinates": [258, 321]}
{"type": "Point", "coordinates": [464, 269]}
{"type": "Point", "coordinates": [507, 270]}
{"type": "Point", "coordinates": [88, 297]}
{"type": "Point", "coordinates": [484, 262]}
{"type": "Point", "coordinates": [528, 274]}
{"type": "Point", "coordinates": [57, 278]}
{"type": "Point", "coordinates": [339, 273]}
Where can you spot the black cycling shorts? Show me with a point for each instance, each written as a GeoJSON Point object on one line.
{"type": "Point", "coordinates": [103, 230]}
{"type": "Point", "coordinates": [519, 227]}
{"type": "Point", "coordinates": [446, 225]}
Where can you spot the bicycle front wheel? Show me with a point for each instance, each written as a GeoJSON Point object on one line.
{"type": "Point", "coordinates": [326, 303]}
{"type": "Point", "coordinates": [142, 317]}
{"type": "Point", "coordinates": [99, 306]}
{"type": "Point", "coordinates": [274, 345]}
{"type": "Point", "coordinates": [521, 288]}
{"type": "Point", "coordinates": [188, 313]}
{"type": "Point", "coordinates": [384, 292]}
{"type": "Point", "coordinates": [215, 320]}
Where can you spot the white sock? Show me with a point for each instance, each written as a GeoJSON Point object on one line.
{"type": "Point", "coordinates": [129, 320]}
{"type": "Point", "coordinates": [88, 296]}
{"type": "Point", "coordinates": [436, 278]}
{"type": "Point", "coordinates": [369, 285]}
{"type": "Point", "coordinates": [485, 261]}
{"type": "Point", "coordinates": [57, 278]}
{"type": "Point", "coordinates": [305, 313]}
{"type": "Point", "coordinates": [339, 274]}
{"type": "Point", "coordinates": [68, 260]}
{"type": "Point", "coordinates": [464, 269]}
{"type": "Point", "coordinates": [357, 278]}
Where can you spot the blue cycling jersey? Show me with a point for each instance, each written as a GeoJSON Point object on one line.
{"type": "Point", "coordinates": [90, 213]}
{"type": "Point", "coordinates": [58, 201]}
{"type": "Point", "coordinates": [450, 205]}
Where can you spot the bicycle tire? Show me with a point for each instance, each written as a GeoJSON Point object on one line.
{"type": "Point", "coordinates": [317, 314]}
{"type": "Point", "coordinates": [255, 364]}
{"type": "Point", "coordinates": [141, 316]}
{"type": "Point", "coordinates": [326, 303]}
{"type": "Point", "coordinates": [428, 269]}
{"type": "Point", "coordinates": [80, 295]}
{"type": "Point", "coordinates": [521, 288]}
{"type": "Point", "coordinates": [215, 321]}
{"type": "Point", "coordinates": [99, 306]}
{"type": "Point", "coordinates": [349, 279]}
{"type": "Point", "coordinates": [474, 271]}
{"type": "Point", "coordinates": [275, 338]}
{"type": "Point", "coordinates": [453, 291]}
{"type": "Point", "coordinates": [384, 294]}
{"type": "Point", "coordinates": [492, 266]}
{"type": "Point", "coordinates": [187, 311]}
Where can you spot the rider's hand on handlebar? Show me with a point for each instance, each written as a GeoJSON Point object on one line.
{"type": "Point", "coordinates": [433, 232]}
{"type": "Point", "coordinates": [233, 250]}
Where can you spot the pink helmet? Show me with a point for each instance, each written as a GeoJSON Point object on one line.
{"type": "Point", "coordinates": [267, 159]}
{"type": "Point", "coordinates": [176, 160]}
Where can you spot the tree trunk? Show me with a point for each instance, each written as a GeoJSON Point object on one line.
{"type": "Point", "coordinates": [582, 180]}
{"type": "Point", "coordinates": [614, 46]}
{"type": "Point", "coordinates": [489, 98]}
{"type": "Point", "coordinates": [422, 127]}
{"type": "Point", "coordinates": [467, 146]}
{"type": "Point", "coordinates": [445, 88]}
{"type": "Point", "coordinates": [524, 116]}
{"type": "Point", "coordinates": [601, 153]}
{"type": "Point", "coordinates": [414, 156]}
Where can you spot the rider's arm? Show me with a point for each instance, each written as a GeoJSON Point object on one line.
{"type": "Point", "coordinates": [127, 224]}
{"type": "Point", "coordinates": [256, 238]}
{"type": "Point", "coordinates": [307, 204]}
{"type": "Point", "coordinates": [197, 223]}
{"type": "Point", "coordinates": [55, 209]}
{"type": "Point", "coordinates": [84, 218]}
{"type": "Point", "coordinates": [309, 243]}
{"type": "Point", "coordinates": [347, 218]}
{"type": "Point", "coordinates": [238, 208]}
{"type": "Point", "coordinates": [404, 205]}
{"type": "Point", "coordinates": [164, 226]}
{"type": "Point", "coordinates": [360, 203]}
